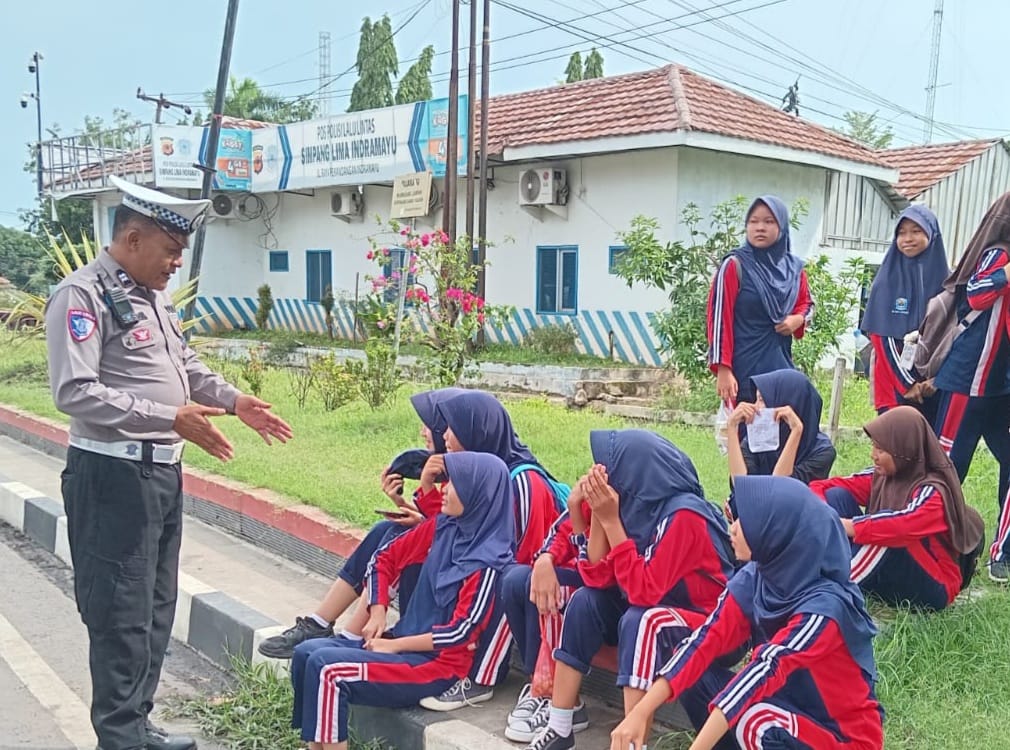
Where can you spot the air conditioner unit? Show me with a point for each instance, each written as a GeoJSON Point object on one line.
{"type": "Point", "coordinates": [347, 203]}
{"type": "Point", "coordinates": [543, 186]}
{"type": "Point", "coordinates": [224, 207]}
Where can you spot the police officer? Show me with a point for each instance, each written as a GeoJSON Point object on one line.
{"type": "Point", "coordinates": [135, 392]}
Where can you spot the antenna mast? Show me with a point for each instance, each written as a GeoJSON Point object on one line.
{"type": "Point", "coordinates": [934, 66]}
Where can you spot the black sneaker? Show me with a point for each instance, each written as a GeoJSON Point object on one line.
{"type": "Point", "coordinates": [463, 693]}
{"type": "Point", "coordinates": [158, 739]}
{"type": "Point", "coordinates": [999, 571]}
{"type": "Point", "coordinates": [548, 739]}
{"type": "Point", "coordinates": [283, 646]}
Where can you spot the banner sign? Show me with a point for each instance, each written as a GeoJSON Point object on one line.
{"type": "Point", "coordinates": [357, 148]}
{"type": "Point", "coordinates": [177, 147]}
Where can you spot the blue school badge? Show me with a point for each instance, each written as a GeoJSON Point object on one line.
{"type": "Point", "coordinates": [901, 305]}
{"type": "Point", "coordinates": [81, 324]}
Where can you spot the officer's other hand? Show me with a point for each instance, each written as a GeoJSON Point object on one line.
{"type": "Point", "coordinates": [192, 422]}
{"type": "Point", "coordinates": [256, 414]}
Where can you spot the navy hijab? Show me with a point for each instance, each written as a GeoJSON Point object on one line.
{"type": "Point", "coordinates": [793, 388]}
{"type": "Point", "coordinates": [903, 286]}
{"type": "Point", "coordinates": [481, 423]}
{"type": "Point", "coordinates": [654, 480]}
{"type": "Point", "coordinates": [481, 538]}
{"type": "Point", "coordinates": [774, 272]}
{"type": "Point", "coordinates": [425, 404]}
{"type": "Point", "coordinates": [800, 559]}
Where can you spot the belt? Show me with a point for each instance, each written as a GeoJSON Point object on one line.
{"type": "Point", "coordinates": [132, 450]}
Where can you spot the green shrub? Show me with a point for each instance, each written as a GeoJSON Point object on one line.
{"type": "Point", "coordinates": [264, 306]}
{"type": "Point", "coordinates": [377, 379]}
{"type": "Point", "coordinates": [332, 380]}
{"type": "Point", "coordinates": [554, 340]}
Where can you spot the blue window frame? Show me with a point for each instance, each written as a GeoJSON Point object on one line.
{"type": "Point", "coordinates": [318, 274]}
{"type": "Point", "coordinates": [278, 260]}
{"type": "Point", "coordinates": [616, 253]}
{"type": "Point", "coordinates": [397, 257]}
{"type": "Point", "coordinates": [557, 279]}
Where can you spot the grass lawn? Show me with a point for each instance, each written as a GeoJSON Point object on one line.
{"type": "Point", "coordinates": [941, 676]}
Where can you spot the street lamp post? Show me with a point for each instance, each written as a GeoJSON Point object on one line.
{"type": "Point", "coordinates": [33, 67]}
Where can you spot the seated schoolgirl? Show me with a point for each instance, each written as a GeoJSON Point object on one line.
{"type": "Point", "coordinates": [534, 597]}
{"type": "Point", "coordinates": [653, 541]}
{"type": "Point", "coordinates": [346, 590]}
{"type": "Point", "coordinates": [432, 646]}
{"type": "Point", "coordinates": [801, 450]}
{"type": "Point", "coordinates": [910, 528]}
{"type": "Point", "coordinates": [810, 682]}
{"type": "Point", "coordinates": [477, 421]}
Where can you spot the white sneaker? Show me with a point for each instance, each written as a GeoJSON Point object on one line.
{"type": "Point", "coordinates": [463, 693]}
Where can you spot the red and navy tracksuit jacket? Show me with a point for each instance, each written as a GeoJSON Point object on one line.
{"type": "Point", "coordinates": [802, 679]}
{"type": "Point", "coordinates": [979, 360]}
{"type": "Point", "coordinates": [920, 528]}
{"type": "Point", "coordinates": [890, 380]}
{"type": "Point", "coordinates": [741, 336]}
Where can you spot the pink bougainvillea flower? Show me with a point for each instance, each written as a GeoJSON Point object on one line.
{"type": "Point", "coordinates": [370, 255]}
{"type": "Point", "coordinates": [425, 240]}
{"type": "Point", "coordinates": [380, 324]}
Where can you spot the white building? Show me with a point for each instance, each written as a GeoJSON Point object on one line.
{"type": "Point", "coordinates": [644, 143]}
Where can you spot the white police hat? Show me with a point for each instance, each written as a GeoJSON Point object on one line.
{"type": "Point", "coordinates": [178, 215]}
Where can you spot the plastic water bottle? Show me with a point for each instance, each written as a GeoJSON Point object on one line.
{"type": "Point", "coordinates": [722, 428]}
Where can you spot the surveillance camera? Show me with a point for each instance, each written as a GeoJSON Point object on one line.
{"type": "Point", "coordinates": [24, 102]}
{"type": "Point", "coordinates": [31, 67]}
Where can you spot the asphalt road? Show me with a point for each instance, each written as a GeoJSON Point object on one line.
{"type": "Point", "coordinates": [44, 683]}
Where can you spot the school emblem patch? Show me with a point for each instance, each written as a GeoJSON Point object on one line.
{"type": "Point", "coordinates": [81, 324]}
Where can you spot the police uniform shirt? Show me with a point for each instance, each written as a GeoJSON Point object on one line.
{"type": "Point", "coordinates": [121, 383]}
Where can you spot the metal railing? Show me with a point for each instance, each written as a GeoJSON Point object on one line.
{"type": "Point", "coordinates": [81, 164]}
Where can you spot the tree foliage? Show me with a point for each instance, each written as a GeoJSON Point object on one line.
{"type": "Point", "coordinates": [22, 257]}
{"type": "Point", "coordinates": [594, 65]}
{"type": "Point", "coordinates": [376, 64]}
{"type": "Point", "coordinates": [246, 100]}
{"type": "Point", "coordinates": [415, 86]}
{"type": "Point", "coordinates": [573, 72]}
{"type": "Point", "coordinates": [864, 127]}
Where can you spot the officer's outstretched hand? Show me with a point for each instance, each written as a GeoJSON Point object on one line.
{"type": "Point", "coordinates": [192, 422]}
{"type": "Point", "coordinates": [256, 414]}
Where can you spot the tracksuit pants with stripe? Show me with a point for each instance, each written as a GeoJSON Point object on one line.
{"type": "Point", "coordinates": [331, 674]}
{"type": "Point", "coordinates": [961, 421]}
{"type": "Point", "coordinates": [889, 573]}
{"type": "Point", "coordinates": [522, 615]}
{"type": "Point", "coordinates": [645, 637]}
{"type": "Point", "coordinates": [356, 567]}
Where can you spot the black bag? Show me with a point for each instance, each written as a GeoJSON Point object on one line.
{"type": "Point", "coordinates": [968, 562]}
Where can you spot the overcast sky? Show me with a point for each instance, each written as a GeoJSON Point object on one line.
{"type": "Point", "coordinates": [866, 55]}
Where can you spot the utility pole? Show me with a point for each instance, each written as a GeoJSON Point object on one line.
{"type": "Point", "coordinates": [33, 67]}
{"type": "Point", "coordinates": [471, 83]}
{"type": "Point", "coordinates": [485, 87]}
{"type": "Point", "coordinates": [161, 103]}
{"type": "Point", "coordinates": [934, 67]}
{"type": "Point", "coordinates": [452, 134]}
{"type": "Point", "coordinates": [213, 136]}
{"type": "Point", "coordinates": [324, 73]}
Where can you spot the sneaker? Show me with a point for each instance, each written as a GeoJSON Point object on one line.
{"type": "Point", "coordinates": [524, 730]}
{"type": "Point", "coordinates": [283, 646]}
{"type": "Point", "coordinates": [463, 693]}
{"type": "Point", "coordinates": [999, 571]}
{"type": "Point", "coordinates": [525, 705]}
{"type": "Point", "coordinates": [548, 739]}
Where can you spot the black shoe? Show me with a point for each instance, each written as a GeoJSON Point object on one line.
{"type": "Point", "coordinates": [283, 646]}
{"type": "Point", "coordinates": [548, 739]}
{"type": "Point", "coordinates": [159, 739]}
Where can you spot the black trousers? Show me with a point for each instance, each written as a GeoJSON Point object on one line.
{"type": "Point", "coordinates": [124, 522]}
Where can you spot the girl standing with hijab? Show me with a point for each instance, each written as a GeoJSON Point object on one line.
{"type": "Point", "coordinates": [810, 682]}
{"type": "Point", "coordinates": [912, 272]}
{"type": "Point", "coordinates": [431, 646]}
{"type": "Point", "coordinates": [655, 562]}
{"type": "Point", "coordinates": [758, 302]}
{"type": "Point", "coordinates": [974, 380]}
{"type": "Point", "coordinates": [477, 421]}
{"type": "Point", "coordinates": [346, 590]}
{"type": "Point", "coordinates": [909, 524]}
{"type": "Point", "coordinates": [804, 452]}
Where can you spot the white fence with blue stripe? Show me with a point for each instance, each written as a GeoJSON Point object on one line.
{"type": "Point", "coordinates": [627, 334]}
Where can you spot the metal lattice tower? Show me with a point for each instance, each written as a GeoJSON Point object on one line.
{"type": "Point", "coordinates": [934, 66]}
{"type": "Point", "coordinates": [324, 72]}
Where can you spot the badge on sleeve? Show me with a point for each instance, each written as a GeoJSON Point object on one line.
{"type": "Point", "coordinates": [81, 324]}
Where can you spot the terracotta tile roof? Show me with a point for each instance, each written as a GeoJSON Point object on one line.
{"type": "Point", "coordinates": [921, 167]}
{"type": "Point", "coordinates": [662, 100]}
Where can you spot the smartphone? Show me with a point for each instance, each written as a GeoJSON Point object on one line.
{"type": "Point", "coordinates": [392, 513]}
